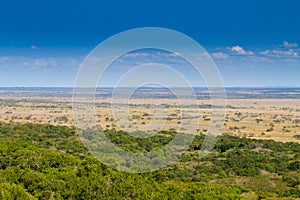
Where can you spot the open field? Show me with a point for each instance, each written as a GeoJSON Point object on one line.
{"type": "Point", "coordinates": [248, 114]}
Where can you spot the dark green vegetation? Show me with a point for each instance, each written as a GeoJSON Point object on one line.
{"type": "Point", "coordinates": [49, 162]}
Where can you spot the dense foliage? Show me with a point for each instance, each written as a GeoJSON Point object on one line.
{"type": "Point", "coordinates": [49, 162]}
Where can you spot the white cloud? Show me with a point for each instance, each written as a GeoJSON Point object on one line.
{"type": "Point", "coordinates": [135, 55]}
{"type": "Point", "coordinates": [43, 63]}
{"type": "Point", "coordinates": [175, 54]}
{"type": "Point", "coordinates": [5, 59]}
{"type": "Point", "coordinates": [285, 51]}
{"type": "Point", "coordinates": [240, 50]}
{"type": "Point", "coordinates": [289, 45]}
{"type": "Point", "coordinates": [138, 58]}
{"type": "Point", "coordinates": [33, 47]}
{"type": "Point", "coordinates": [282, 54]}
{"type": "Point", "coordinates": [279, 53]}
{"type": "Point", "coordinates": [220, 55]}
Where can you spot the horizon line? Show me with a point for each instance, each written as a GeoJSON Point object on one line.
{"type": "Point", "coordinates": [155, 87]}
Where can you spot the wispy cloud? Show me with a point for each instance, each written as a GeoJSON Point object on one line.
{"type": "Point", "coordinates": [289, 45]}
{"type": "Point", "coordinates": [33, 47]}
{"type": "Point", "coordinates": [5, 59]}
{"type": "Point", "coordinates": [175, 54]}
{"type": "Point", "coordinates": [285, 50]}
{"type": "Point", "coordinates": [277, 53]}
{"type": "Point", "coordinates": [42, 64]}
{"type": "Point", "coordinates": [284, 53]}
{"type": "Point", "coordinates": [150, 56]}
{"type": "Point", "coordinates": [236, 57]}
{"type": "Point", "coordinates": [136, 55]}
{"type": "Point", "coordinates": [220, 55]}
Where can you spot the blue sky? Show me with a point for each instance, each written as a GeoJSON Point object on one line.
{"type": "Point", "coordinates": [254, 43]}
